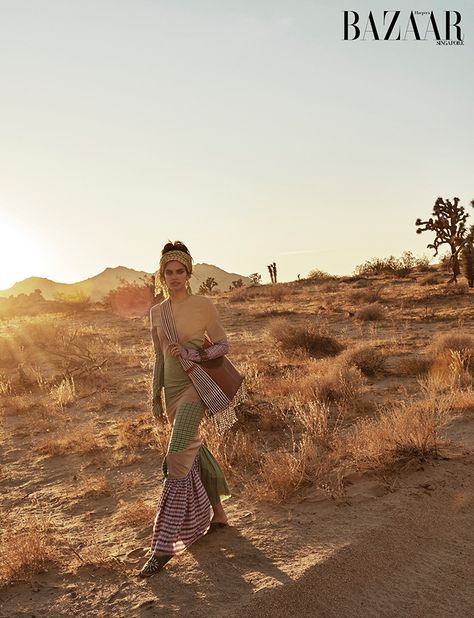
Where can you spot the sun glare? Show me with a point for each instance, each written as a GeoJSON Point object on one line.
{"type": "Point", "coordinates": [18, 255]}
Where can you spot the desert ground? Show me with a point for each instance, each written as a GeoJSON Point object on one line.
{"type": "Point", "coordinates": [351, 465]}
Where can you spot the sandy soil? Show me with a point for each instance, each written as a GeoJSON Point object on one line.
{"type": "Point", "coordinates": [392, 545]}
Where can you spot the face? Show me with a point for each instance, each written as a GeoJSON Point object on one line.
{"type": "Point", "coordinates": [175, 275]}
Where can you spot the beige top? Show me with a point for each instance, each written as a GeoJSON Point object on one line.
{"type": "Point", "coordinates": [193, 317]}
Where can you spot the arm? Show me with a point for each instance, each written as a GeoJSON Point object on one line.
{"type": "Point", "coordinates": [219, 348]}
{"type": "Point", "coordinates": [158, 374]}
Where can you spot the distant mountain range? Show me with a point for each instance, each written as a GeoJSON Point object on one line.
{"type": "Point", "coordinates": [98, 286]}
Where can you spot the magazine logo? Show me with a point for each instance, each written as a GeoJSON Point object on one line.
{"type": "Point", "coordinates": [443, 27]}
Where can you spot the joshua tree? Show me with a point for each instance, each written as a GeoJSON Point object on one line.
{"type": "Point", "coordinates": [272, 269]}
{"type": "Point", "coordinates": [467, 260]}
{"type": "Point", "coordinates": [449, 224]}
{"type": "Point", "coordinates": [207, 286]}
{"type": "Point", "coordinates": [236, 284]}
{"type": "Point", "coordinates": [255, 278]}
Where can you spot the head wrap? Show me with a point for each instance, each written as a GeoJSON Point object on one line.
{"type": "Point", "coordinates": [180, 256]}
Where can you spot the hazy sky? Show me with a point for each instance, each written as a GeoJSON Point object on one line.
{"type": "Point", "coordinates": [249, 129]}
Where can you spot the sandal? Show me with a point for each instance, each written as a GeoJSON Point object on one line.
{"type": "Point", "coordinates": [215, 525]}
{"type": "Point", "coordinates": [154, 565]}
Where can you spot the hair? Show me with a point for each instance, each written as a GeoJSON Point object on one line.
{"type": "Point", "coordinates": [177, 245]}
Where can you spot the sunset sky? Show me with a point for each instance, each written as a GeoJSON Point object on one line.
{"type": "Point", "coordinates": [248, 129]}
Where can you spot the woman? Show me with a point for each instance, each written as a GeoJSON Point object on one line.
{"type": "Point", "coordinates": [193, 479]}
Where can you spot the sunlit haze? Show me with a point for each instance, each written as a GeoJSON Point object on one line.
{"type": "Point", "coordinates": [250, 130]}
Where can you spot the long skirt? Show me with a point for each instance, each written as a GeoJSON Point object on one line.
{"type": "Point", "coordinates": [193, 479]}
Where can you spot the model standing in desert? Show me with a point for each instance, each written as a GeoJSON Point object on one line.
{"type": "Point", "coordinates": [194, 481]}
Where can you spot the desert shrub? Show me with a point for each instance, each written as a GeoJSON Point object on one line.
{"type": "Point", "coordinates": [455, 289]}
{"type": "Point", "coordinates": [133, 433]}
{"type": "Point", "coordinates": [306, 338]}
{"type": "Point", "coordinates": [414, 365]}
{"type": "Point", "coordinates": [400, 267]}
{"type": "Point", "coordinates": [5, 385]}
{"type": "Point", "coordinates": [76, 301]}
{"type": "Point", "coordinates": [26, 551]}
{"type": "Point", "coordinates": [80, 440]}
{"type": "Point", "coordinates": [64, 393]}
{"type": "Point", "coordinates": [371, 313]}
{"type": "Point", "coordinates": [431, 279]}
{"type": "Point", "coordinates": [339, 382]}
{"type": "Point", "coordinates": [399, 433]}
{"type": "Point", "coordinates": [319, 276]}
{"type": "Point", "coordinates": [450, 370]}
{"type": "Point", "coordinates": [445, 342]}
{"type": "Point", "coordinates": [130, 298]}
{"type": "Point", "coordinates": [329, 286]}
{"type": "Point", "coordinates": [369, 359]}
{"type": "Point", "coordinates": [313, 459]}
{"type": "Point", "coordinates": [240, 295]}
{"type": "Point", "coordinates": [277, 292]}
{"type": "Point", "coordinates": [367, 296]}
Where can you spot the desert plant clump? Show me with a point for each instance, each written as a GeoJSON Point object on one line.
{"type": "Point", "coordinates": [368, 358]}
{"type": "Point", "coordinates": [367, 296]}
{"type": "Point", "coordinates": [64, 393]}
{"type": "Point", "coordinates": [447, 342]}
{"type": "Point", "coordinates": [371, 313]}
{"type": "Point", "coordinates": [27, 551]}
{"type": "Point", "coordinates": [449, 372]}
{"type": "Point", "coordinates": [399, 433]}
{"type": "Point", "coordinates": [320, 276]}
{"type": "Point", "coordinates": [431, 279]}
{"type": "Point", "coordinates": [80, 440]}
{"type": "Point", "coordinates": [399, 267]}
{"type": "Point", "coordinates": [306, 338]}
{"type": "Point", "coordinates": [339, 381]}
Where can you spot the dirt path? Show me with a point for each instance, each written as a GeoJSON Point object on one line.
{"type": "Point", "coordinates": [402, 553]}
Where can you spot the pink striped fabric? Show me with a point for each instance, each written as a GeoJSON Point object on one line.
{"type": "Point", "coordinates": [183, 513]}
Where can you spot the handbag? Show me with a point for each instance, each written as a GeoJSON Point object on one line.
{"type": "Point", "coordinates": [223, 372]}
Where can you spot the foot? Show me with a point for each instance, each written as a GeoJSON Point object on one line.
{"type": "Point", "coordinates": [154, 565]}
{"type": "Point", "coordinates": [216, 525]}
{"type": "Point", "coordinates": [219, 516]}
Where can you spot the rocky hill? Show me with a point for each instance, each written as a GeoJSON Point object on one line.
{"type": "Point", "coordinates": [98, 286]}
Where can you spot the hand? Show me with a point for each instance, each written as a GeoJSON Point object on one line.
{"type": "Point", "coordinates": [175, 350]}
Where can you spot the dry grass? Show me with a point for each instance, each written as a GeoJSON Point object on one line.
{"type": "Point", "coordinates": [456, 289]}
{"type": "Point", "coordinates": [450, 370]}
{"type": "Point", "coordinates": [27, 551]}
{"type": "Point", "coordinates": [404, 431]}
{"type": "Point", "coordinates": [136, 432]}
{"type": "Point", "coordinates": [366, 357]}
{"type": "Point", "coordinates": [135, 513]}
{"type": "Point", "coordinates": [341, 382]}
{"type": "Point", "coordinates": [371, 313]}
{"type": "Point", "coordinates": [64, 394]}
{"type": "Point", "coordinates": [414, 365]}
{"type": "Point", "coordinates": [5, 385]}
{"type": "Point", "coordinates": [367, 296]}
{"type": "Point", "coordinates": [79, 440]}
{"type": "Point", "coordinates": [457, 342]}
{"type": "Point", "coordinates": [306, 338]}
{"type": "Point", "coordinates": [315, 458]}
{"type": "Point", "coordinates": [93, 486]}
